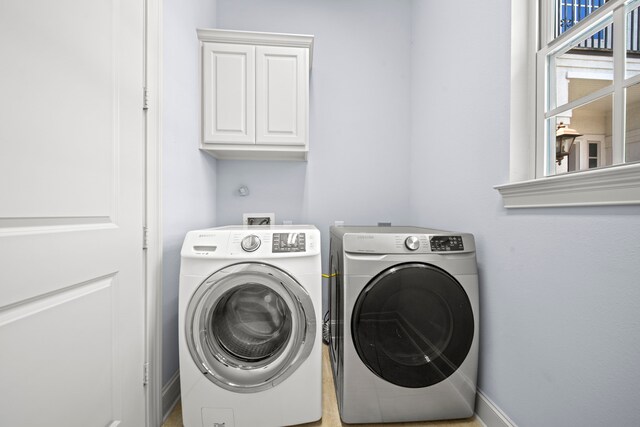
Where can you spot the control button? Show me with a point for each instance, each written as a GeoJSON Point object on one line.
{"type": "Point", "coordinates": [412, 243]}
{"type": "Point", "coordinates": [250, 243]}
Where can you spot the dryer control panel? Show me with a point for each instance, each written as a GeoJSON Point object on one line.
{"type": "Point", "coordinates": [385, 242]}
{"type": "Point", "coordinates": [446, 243]}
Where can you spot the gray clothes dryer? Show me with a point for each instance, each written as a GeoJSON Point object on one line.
{"type": "Point", "coordinates": [403, 323]}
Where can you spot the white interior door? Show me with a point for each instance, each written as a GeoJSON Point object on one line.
{"type": "Point", "coordinates": [71, 213]}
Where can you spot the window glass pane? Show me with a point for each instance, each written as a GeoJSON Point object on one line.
{"type": "Point", "coordinates": [592, 124]}
{"type": "Point", "coordinates": [569, 12]}
{"type": "Point", "coordinates": [594, 153]}
{"type": "Point", "coordinates": [582, 68]}
{"type": "Point", "coordinates": [633, 42]}
{"type": "Point", "coordinates": [632, 134]}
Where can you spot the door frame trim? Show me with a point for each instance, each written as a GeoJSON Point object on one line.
{"type": "Point", "coordinates": [152, 106]}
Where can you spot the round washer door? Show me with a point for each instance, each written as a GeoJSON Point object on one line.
{"type": "Point", "coordinates": [413, 325]}
{"type": "Point", "coordinates": [249, 326]}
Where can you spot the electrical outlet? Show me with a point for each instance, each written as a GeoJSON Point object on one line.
{"type": "Point", "coordinates": [258, 219]}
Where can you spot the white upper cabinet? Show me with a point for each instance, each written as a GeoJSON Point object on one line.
{"type": "Point", "coordinates": [255, 94]}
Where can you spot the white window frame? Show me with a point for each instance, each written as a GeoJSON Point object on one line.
{"type": "Point", "coordinates": [528, 186]}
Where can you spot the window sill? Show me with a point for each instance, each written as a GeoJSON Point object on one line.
{"type": "Point", "coordinates": [617, 185]}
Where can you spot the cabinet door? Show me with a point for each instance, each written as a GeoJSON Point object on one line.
{"type": "Point", "coordinates": [228, 85]}
{"type": "Point", "coordinates": [282, 92]}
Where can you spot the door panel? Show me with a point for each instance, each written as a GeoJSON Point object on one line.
{"type": "Point", "coordinates": [39, 335]}
{"type": "Point", "coordinates": [56, 73]}
{"type": "Point", "coordinates": [71, 217]}
{"type": "Point", "coordinates": [281, 94]}
{"type": "Point", "coordinates": [228, 93]}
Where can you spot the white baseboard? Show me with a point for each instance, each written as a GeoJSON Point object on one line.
{"type": "Point", "coordinates": [170, 395]}
{"type": "Point", "coordinates": [489, 413]}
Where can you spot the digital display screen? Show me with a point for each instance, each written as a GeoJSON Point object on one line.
{"type": "Point", "coordinates": [446, 243]}
{"type": "Point", "coordinates": [288, 242]}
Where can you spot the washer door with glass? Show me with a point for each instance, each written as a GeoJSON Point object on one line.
{"type": "Point", "coordinates": [249, 326]}
{"type": "Point", "coordinates": [413, 325]}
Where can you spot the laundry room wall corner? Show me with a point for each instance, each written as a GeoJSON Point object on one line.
{"type": "Point", "coordinates": [188, 175]}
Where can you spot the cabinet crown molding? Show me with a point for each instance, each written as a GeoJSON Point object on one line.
{"type": "Point", "coordinates": [257, 38]}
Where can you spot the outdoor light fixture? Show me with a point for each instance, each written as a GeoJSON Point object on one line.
{"type": "Point", "coordinates": [564, 140]}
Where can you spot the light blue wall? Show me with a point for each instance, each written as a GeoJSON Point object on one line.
{"type": "Point", "coordinates": [358, 168]}
{"type": "Point", "coordinates": [560, 288]}
{"type": "Point", "coordinates": [189, 176]}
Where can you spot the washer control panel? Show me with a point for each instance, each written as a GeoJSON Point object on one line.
{"type": "Point", "coordinates": [253, 242]}
{"type": "Point", "coordinates": [446, 243]}
{"type": "Point", "coordinates": [288, 242]}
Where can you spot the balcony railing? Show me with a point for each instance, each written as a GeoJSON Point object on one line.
{"type": "Point", "coordinates": [570, 12]}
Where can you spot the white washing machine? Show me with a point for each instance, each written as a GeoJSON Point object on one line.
{"type": "Point", "coordinates": [249, 326]}
{"type": "Point", "coordinates": [403, 323]}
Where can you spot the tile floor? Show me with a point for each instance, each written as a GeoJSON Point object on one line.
{"type": "Point", "coordinates": [330, 415]}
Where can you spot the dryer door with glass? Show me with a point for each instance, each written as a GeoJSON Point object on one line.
{"type": "Point", "coordinates": [412, 325]}
{"type": "Point", "coordinates": [249, 326]}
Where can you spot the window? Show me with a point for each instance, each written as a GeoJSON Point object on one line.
{"type": "Point", "coordinates": [576, 65]}
{"type": "Point", "coordinates": [594, 157]}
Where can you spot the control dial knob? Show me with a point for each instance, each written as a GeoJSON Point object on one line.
{"type": "Point", "coordinates": [250, 243]}
{"type": "Point", "coordinates": [412, 243]}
